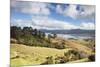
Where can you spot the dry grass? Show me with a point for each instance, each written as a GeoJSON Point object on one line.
{"type": "Point", "coordinates": [26, 55]}
{"type": "Point", "coordinates": [80, 60]}
{"type": "Point", "coordinates": [76, 45]}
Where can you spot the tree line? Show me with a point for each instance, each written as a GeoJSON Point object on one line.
{"type": "Point", "coordinates": [33, 37]}
{"type": "Point", "coordinates": [17, 32]}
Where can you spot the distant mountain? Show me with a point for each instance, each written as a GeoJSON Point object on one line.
{"type": "Point", "coordinates": [72, 31]}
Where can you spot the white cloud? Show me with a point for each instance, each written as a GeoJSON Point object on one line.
{"type": "Point", "coordinates": [84, 11]}
{"type": "Point", "coordinates": [21, 23]}
{"type": "Point", "coordinates": [71, 11]}
{"type": "Point", "coordinates": [59, 9]}
{"type": "Point", "coordinates": [51, 23]}
{"type": "Point", "coordinates": [44, 22]}
{"type": "Point", "coordinates": [87, 26]}
{"type": "Point", "coordinates": [40, 8]}
{"type": "Point", "coordinates": [31, 7]}
{"type": "Point", "coordinates": [47, 23]}
{"type": "Point", "coordinates": [88, 13]}
{"type": "Point", "coordinates": [88, 9]}
{"type": "Point", "coordinates": [40, 21]}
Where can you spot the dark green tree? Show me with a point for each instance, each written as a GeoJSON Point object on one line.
{"type": "Point", "coordinates": [43, 34]}
{"type": "Point", "coordinates": [35, 32]}
{"type": "Point", "coordinates": [15, 32]}
{"type": "Point", "coordinates": [49, 38]}
{"type": "Point", "coordinates": [27, 30]}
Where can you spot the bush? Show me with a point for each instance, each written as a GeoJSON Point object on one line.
{"type": "Point", "coordinates": [72, 55]}
{"type": "Point", "coordinates": [62, 59]}
{"type": "Point", "coordinates": [92, 57]}
{"type": "Point", "coordinates": [49, 60]}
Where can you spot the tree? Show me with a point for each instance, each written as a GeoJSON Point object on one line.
{"type": "Point", "coordinates": [15, 32]}
{"type": "Point", "coordinates": [35, 32]}
{"type": "Point", "coordinates": [55, 35]}
{"type": "Point", "coordinates": [43, 34]}
{"type": "Point", "coordinates": [27, 30]}
{"type": "Point", "coordinates": [39, 34]}
{"type": "Point", "coordinates": [49, 38]}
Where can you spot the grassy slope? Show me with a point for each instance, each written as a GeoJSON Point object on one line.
{"type": "Point", "coordinates": [36, 55]}
{"type": "Point", "coordinates": [77, 45]}
{"type": "Point", "coordinates": [32, 55]}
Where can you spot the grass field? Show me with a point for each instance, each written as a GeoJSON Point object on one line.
{"type": "Point", "coordinates": [32, 55]}
{"type": "Point", "coordinates": [26, 55]}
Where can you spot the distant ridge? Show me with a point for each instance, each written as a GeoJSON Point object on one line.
{"type": "Point", "coordinates": [72, 31]}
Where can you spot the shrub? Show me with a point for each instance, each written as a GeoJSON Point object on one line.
{"type": "Point", "coordinates": [72, 55]}
{"type": "Point", "coordinates": [49, 60]}
{"type": "Point", "coordinates": [92, 57]}
{"type": "Point", "coordinates": [62, 59]}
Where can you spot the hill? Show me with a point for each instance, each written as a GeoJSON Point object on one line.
{"type": "Point", "coordinates": [72, 31]}
{"type": "Point", "coordinates": [26, 55]}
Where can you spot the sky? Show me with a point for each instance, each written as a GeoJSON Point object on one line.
{"type": "Point", "coordinates": [43, 15]}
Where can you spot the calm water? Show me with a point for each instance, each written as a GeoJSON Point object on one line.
{"type": "Point", "coordinates": [75, 36]}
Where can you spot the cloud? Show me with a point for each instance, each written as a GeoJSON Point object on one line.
{"type": "Point", "coordinates": [85, 12]}
{"type": "Point", "coordinates": [87, 26]}
{"type": "Point", "coordinates": [59, 9]}
{"type": "Point", "coordinates": [71, 11]}
{"type": "Point", "coordinates": [52, 23]}
{"type": "Point", "coordinates": [67, 11]}
{"type": "Point", "coordinates": [31, 7]}
{"type": "Point", "coordinates": [88, 12]}
{"type": "Point", "coordinates": [21, 23]}
{"type": "Point", "coordinates": [44, 22]}
{"type": "Point", "coordinates": [40, 11]}
{"type": "Point", "coordinates": [77, 11]}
